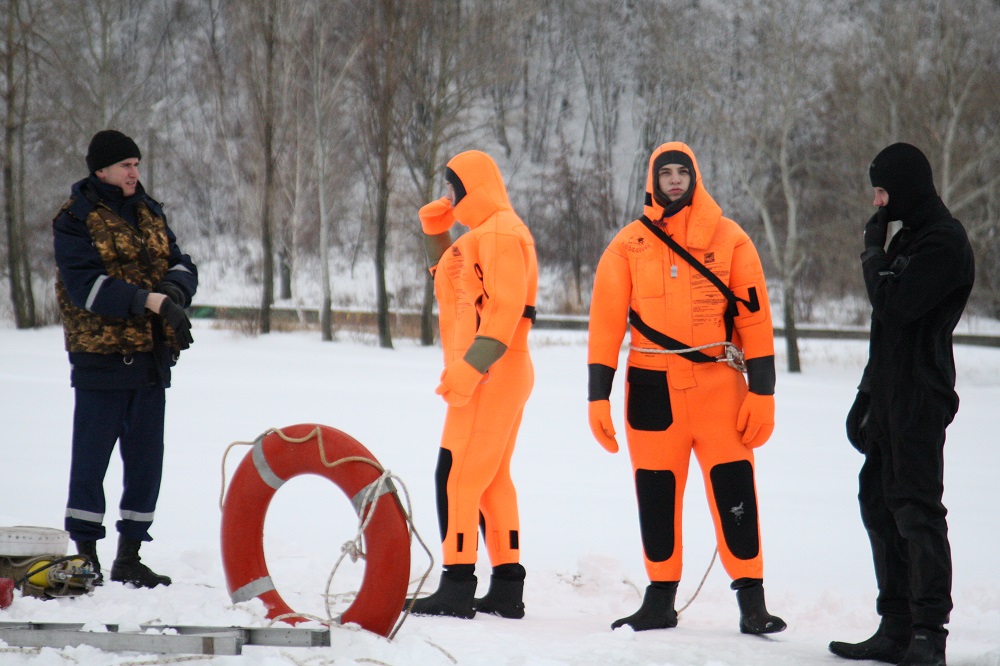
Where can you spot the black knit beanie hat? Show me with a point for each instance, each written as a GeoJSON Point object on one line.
{"type": "Point", "coordinates": [110, 147]}
{"type": "Point", "coordinates": [673, 157]}
{"type": "Point", "coordinates": [903, 171]}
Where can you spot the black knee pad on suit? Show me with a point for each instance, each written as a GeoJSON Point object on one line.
{"type": "Point", "coordinates": [736, 499]}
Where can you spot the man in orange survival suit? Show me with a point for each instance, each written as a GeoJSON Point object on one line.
{"type": "Point", "coordinates": [679, 399]}
{"type": "Point", "coordinates": [485, 283]}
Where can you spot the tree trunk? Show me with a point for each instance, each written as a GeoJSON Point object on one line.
{"type": "Point", "coordinates": [791, 334]}
{"type": "Point", "coordinates": [285, 268]}
{"type": "Point", "coordinates": [381, 236]}
{"type": "Point", "coordinates": [18, 264]}
{"type": "Point", "coordinates": [266, 234]}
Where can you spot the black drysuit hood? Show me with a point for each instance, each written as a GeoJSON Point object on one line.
{"type": "Point", "coordinates": [903, 171]}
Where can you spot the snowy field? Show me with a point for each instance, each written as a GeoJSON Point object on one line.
{"type": "Point", "coordinates": [580, 538]}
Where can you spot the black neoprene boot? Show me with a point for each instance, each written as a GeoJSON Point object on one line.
{"type": "Point", "coordinates": [657, 610]}
{"type": "Point", "coordinates": [89, 548]}
{"type": "Point", "coordinates": [454, 596]}
{"type": "Point", "coordinates": [888, 644]}
{"type": "Point", "coordinates": [129, 569]}
{"type": "Point", "coordinates": [754, 618]}
{"type": "Point", "coordinates": [926, 647]}
{"type": "Point", "coordinates": [506, 594]}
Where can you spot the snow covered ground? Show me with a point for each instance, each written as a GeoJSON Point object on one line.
{"type": "Point", "coordinates": [580, 535]}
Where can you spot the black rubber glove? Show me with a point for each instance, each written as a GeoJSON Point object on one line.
{"type": "Point", "coordinates": [857, 420]}
{"type": "Point", "coordinates": [877, 229]}
{"type": "Point", "coordinates": [172, 291]}
{"type": "Point", "coordinates": [178, 320]}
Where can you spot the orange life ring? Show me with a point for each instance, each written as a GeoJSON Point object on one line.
{"type": "Point", "coordinates": [273, 461]}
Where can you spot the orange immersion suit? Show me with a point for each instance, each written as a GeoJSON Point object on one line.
{"type": "Point", "coordinates": [485, 283]}
{"type": "Point", "coordinates": [675, 404]}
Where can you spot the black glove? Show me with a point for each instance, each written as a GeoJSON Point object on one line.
{"type": "Point", "coordinates": [178, 320]}
{"type": "Point", "coordinates": [857, 420]}
{"type": "Point", "coordinates": [877, 229]}
{"type": "Point", "coordinates": [172, 291]}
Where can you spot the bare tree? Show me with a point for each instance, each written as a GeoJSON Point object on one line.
{"type": "Point", "coordinates": [15, 56]}
{"type": "Point", "coordinates": [771, 134]}
{"type": "Point", "coordinates": [266, 105]}
{"type": "Point", "coordinates": [383, 27]}
{"type": "Point", "coordinates": [441, 82]}
{"type": "Point", "coordinates": [105, 56]}
{"type": "Point", "coordinates": [325, 75]}
{"type": "Point", "coordinates": [600, 33]}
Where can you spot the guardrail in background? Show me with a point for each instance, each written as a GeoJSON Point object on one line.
{"type": "Point", "coordinates": [407, 323]}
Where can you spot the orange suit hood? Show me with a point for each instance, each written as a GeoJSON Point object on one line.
{"type": "Point", "coordinates": [485, 192]}
{"type": "Point", "coordinates": [703, 214]}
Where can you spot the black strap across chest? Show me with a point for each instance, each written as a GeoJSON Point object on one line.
{"type": "Point", "coordinates": [732, 300]}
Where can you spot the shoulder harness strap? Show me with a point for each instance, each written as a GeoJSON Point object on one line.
{"type": "Point", "coordinates": [753, 305]}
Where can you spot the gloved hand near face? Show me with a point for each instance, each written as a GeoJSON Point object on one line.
{"type": "Point", "coordinates": [877, 229]}
{"type": "Point", "coordinates": [437, 217]}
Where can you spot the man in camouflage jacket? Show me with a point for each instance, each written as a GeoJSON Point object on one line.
{"type": "Point", "coordinates": [122, 287]}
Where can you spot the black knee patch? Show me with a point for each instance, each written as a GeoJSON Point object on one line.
{"type": "Point", "coordinates": [656, 490]}
{"type": "Point", "coordinates": [441, 483]}
{"type": "Point", "coordinates": [736, 499]}
{"type": "Point", "coordinates": [648, 400]}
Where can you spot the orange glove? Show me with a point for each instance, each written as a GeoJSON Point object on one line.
{"type": "Point", "coordinates": [458, 382]}
{"type": "Point", "coordinates": [599, 414]}
{"type": "Point", "coordinates": [437, 216]}
{"type": "Point", "coordinates": [756, 419]}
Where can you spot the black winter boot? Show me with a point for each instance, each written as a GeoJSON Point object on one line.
{"type": "Point", "coordinates": [926, 647]}
{"type": "Point", "coordinates": [506, 593]}
{"type": "Point", "coordinates": [754, 618]}
{"type": "Point", "coordinates": [89, 548]}
{"type": "Point", "coordinates": [657, 610]}
{"type": "Point", "coordinates": [454, 596]}
{"type": "Point", "coordinates": [888, 644]}
{"type": "Point", "coordinates": [127, 567]}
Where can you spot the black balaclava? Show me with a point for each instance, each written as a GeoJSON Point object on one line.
{"type": "Point", "coordinates": [903, 171]}
{"type": "Point", "coordinates": [673, 157]}
{"type": "Point", "coordinates": [456, 184]}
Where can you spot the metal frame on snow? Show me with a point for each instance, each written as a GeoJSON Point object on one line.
{"type": "Point", "coordinates": [159, 639]}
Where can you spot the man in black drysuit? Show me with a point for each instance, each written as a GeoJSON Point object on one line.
{"type": "Point", "coordinates": [918, 288]}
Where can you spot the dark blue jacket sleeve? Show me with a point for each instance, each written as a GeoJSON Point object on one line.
{"type": "Point", "coordinates": [181, 271]}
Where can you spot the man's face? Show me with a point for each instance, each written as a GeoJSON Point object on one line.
{"type": "Point", "coordinates": [124, 174]}
{"type": "Point", "coordinates": [674, 180]}
{"type": "Point", "coordinates": [881, 198]}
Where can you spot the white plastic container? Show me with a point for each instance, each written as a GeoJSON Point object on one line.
{"type": "Point", "coordinates": [23, 541]}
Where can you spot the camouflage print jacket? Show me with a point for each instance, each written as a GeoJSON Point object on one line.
{"type": "Point", "coordinates": [111, 252]}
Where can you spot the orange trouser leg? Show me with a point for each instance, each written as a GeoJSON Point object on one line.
{"type": "Point", "coordinates": [663, 425]}
{"type": "Point", "coordinates": [727, 467]}
{"type": "Point", "coordinates": [498, 509]}
{"type": "Point", "coordinates": [474, 469]}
